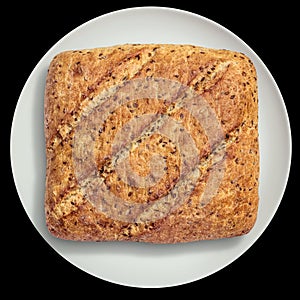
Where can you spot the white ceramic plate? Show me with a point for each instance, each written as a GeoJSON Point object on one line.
{"type": "Point", "coordinates": [138, 264]}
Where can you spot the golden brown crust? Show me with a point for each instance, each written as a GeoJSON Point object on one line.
{"type": "Point", "coordinates": [226, 80]}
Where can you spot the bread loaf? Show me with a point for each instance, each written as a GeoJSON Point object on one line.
{"type": "Point", "coordinates": [151, 143]}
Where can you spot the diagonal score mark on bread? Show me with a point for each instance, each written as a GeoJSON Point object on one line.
{"type": "Point", "coordinates": [200, 82]}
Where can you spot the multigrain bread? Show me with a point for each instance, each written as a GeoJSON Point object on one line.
{"type": "Point", "coordinates": [151, 143]}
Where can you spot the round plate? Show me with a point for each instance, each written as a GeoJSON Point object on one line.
{"type": "Point", "coordinates": [139, 264]}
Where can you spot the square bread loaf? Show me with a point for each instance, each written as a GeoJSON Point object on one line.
{"type": "Point", "coordinates": [151, 143]}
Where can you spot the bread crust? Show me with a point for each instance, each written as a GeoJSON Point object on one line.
{"type": "Point", "coordinates": [225, 79]}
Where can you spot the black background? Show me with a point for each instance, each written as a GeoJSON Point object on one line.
{"type": "Point", "coordinates": [270, 265]}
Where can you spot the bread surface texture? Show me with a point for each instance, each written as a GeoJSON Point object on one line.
{"type": "Point", "coordinates": [151, 143]}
